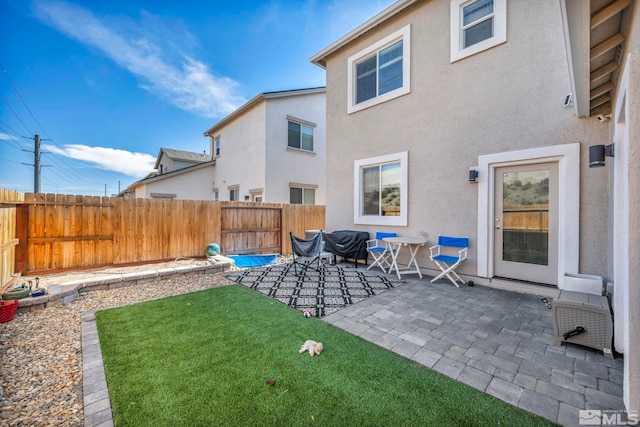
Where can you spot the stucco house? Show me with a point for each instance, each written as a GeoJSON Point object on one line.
{"type": "Point", "coordinates": [272, 149]}
{"type": "Point", "coordinates": [178, 174]}
{"type": "Point", "coordinates": [476, 118]}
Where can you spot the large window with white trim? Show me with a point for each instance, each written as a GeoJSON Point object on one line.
{"type": "Point", "coordinates": [477, 25]}
{"type": "Point", "coordinates": [300, 136]}
{"type": "Point", "coordinates": [381, 190]}
{"type": "Point", "coordinates": [381, 72]}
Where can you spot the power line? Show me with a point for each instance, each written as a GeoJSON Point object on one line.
{"type": "Point", "coordinates": [70, 170]}
{"type": "Point", "coordinates": [9, 127]}
{"type": "Point", "coordinates": [18, 146]}
{"type": "Point", "coordinates": [11, 161]}
{"type": "Point", "coordinates": [34, 118]}
{"type": "Point", "coordinates": [65, 165]}
{"type": "Point", "coordinates": [22, 99]}
{"type": "Point", "coordinates": [16, 114]}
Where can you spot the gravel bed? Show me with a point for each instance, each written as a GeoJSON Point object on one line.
{"type": "Point", "coordinates": [41, 352]}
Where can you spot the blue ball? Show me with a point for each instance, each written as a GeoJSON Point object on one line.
{"type": "Point", "coordinates": [213, 249]}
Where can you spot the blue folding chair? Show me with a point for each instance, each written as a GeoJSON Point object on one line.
{"type": "Point", "coordinates": [448, 255]}
{"type": "Point", "coordinates": [379, 251]}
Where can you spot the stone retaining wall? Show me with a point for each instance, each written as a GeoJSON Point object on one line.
{"type": "Point", "coordinates": [68, 292]}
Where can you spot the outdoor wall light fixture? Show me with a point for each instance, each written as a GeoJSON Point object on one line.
{"type": "Point", "coordinates": [597, 153]}
{"type": "Point", "coordinates": [247, 197]}
{"type": "Point", "coordinates": [473, 175]}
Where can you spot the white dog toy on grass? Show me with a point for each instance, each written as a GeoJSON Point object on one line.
{"type": "Point", "coordinates": [312, 347]}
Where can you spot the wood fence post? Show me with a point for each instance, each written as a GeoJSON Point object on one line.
{"type": "Point", "coordinates": [22, 227]}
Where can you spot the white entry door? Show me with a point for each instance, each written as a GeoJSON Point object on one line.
{"type": "Point", "coordinates": [526, 223]}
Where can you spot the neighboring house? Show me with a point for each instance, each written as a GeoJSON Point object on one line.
{"type": "Point", "coordinates": [170, 160]}
{"type": "Point", "coordinates": [272, 149]}
{"type": "Point", "coordinates": [426, 92]}
{"type": "Point", "coordinates": [179, 175]}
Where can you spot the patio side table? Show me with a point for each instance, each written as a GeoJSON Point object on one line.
{"type": "Point", "coordinates": [413, 243]}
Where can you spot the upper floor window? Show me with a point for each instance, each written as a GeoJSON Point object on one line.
{"type": "Point", "coordinates": [381, 72]}
{"type": "Point", "coordinates": [300, 136]}
{"type": "Point", "coordinates": [477, 25]}
{"type": "Point", "coordinates": [216, 148]}
{"type": "Point", "coordinates": [381, 190]}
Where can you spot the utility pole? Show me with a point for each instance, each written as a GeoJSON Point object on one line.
{"type": "Point", "coordinates": [36, 165]}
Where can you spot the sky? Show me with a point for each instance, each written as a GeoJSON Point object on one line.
{"type": "Point", "coordinates": [106, 84]}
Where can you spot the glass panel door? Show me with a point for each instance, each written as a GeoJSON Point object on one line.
{"type": "Point", "coordinates": [526, 218]}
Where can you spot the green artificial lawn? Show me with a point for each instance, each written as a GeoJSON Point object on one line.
{"type": "Point", "coordinates": [229, 356]}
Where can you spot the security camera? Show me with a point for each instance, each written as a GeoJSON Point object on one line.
{"type": "Point", "coordinates": [603, 117]}
{"type": "Point", "coordinates": [568, 100]}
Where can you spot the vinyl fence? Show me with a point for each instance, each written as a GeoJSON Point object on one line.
{"type": "Point", "coordinates": [61, 232]}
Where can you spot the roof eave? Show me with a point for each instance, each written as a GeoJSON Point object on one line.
{"type": "Point", "coordinates": [320, 58]}
{"type": "Point", "coordinates": [246, 106]}
{"type": "Point", "coordinates": [576, 18]}
{"type": "Point", "coordinates": [256, 100]}
{"type": "Point", "coordinates": [158, 158]}
{"type": "Point", "coordinates": [177, 172]}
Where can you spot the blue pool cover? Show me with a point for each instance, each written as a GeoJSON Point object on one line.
{"type": "Point", "coordinates": [253, 260]}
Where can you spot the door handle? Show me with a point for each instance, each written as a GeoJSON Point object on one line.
{"type": "Point", "coordinates": [498, 227]}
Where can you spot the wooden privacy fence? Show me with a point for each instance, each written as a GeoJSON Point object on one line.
{"type": "Point", "coordinates": [9, 200]}
{"type": "Point", "coordinates": [62, 232]}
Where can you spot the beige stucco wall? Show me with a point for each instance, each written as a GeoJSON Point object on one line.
{"type": "Point", "coordinates": [242, 153]}
{"type": "Point", "coordinates": [507, 98]}
{"type": "Point", "coordinates": [170, 165]}
{"type": "Point", "coordinates": [287, 165]}
{"type": "Point", "coordinates": [626, 280]}
{"type": "Point", "coordinates": [254, 151]}
{"type": "Point", "coordinates": [194, 185]}
{"type": "Point", "coordinates": [632, 365]}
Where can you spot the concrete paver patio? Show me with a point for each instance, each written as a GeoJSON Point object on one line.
{"type": "Point", "coordinates": [497, 341]}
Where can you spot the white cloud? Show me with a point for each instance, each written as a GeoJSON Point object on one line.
{"type": "Point", "coordinates": [6, 137]}
{"type": "Point", "coordinates": [132, 164]}
{"type": "Point", "coordinates": [153, 56]}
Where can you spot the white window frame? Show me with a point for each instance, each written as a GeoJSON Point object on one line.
{"type": "Point", "coordinates": [234, 190]}
{"type": "Point", "coordinates": [257, 195]}
{"type": "Point", "coordinates": [216, 146]}
{"type": "Point", "coordinates": [403, 34]}
{"type": "Point", "coordinates": [303, 188]}
{"type": "Point", "coordinates": [499, 29]}
{"type": "Point", "coordinates": [302, 123]}
{"type": "Point", "coordinates": [358, 165]}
